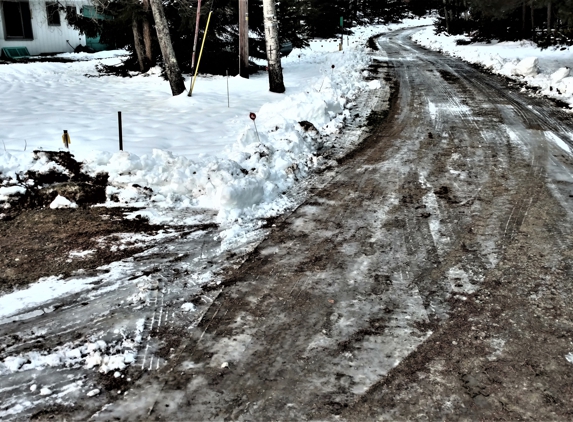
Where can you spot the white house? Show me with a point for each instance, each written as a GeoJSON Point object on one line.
{"type": "Point", "coordinates": [41, 25]}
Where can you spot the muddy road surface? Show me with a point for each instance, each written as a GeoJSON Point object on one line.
{"type": "Point", "coordinates": [430, 277]}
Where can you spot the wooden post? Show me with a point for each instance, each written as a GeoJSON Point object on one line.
{"type": "Point", "coordinates": [120, 131]}
{"type": "Point", "coordinates": [244, 38]}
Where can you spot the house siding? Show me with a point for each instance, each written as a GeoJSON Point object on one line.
{"type": "Point", "coordinates": [47, 38]}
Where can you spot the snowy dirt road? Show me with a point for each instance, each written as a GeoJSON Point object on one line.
{"type": "Point", "coordinates": [428, 276]}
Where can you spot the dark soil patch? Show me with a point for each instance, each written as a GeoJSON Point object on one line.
{"type": "Point", "coordinates": [37, 243]}
{"type": "Point", "coordinates": [43, 187]}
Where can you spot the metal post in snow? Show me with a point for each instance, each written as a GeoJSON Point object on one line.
{"type": "Point", "coordinates": [66, 139]}
{"type": "Point", "coordinates": [253, 117]}
{"type": "Point", "coordinates": [120, 130]}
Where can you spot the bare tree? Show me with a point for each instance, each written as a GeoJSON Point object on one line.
{"type": "Point", "coordinates": [147, 36]}
{"type": "Point", "coordinates": [138, 46]}
{"type": "Point", "coordinates": [171, 66]}
{"type": "Point", "coordinates": [273, 48]}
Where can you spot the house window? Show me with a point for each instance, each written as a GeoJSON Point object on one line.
{"type": "Point", "coordinates": [53, 14]}
{"type": "Point", "coordinates": [17, 20]}
{"type": "Point", "coordinates": [71, 11]}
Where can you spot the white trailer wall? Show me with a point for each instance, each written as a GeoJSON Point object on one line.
{"type": "Point", "coordinates": [46, 38]}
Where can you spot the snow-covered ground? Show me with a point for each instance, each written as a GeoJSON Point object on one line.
{"type": "Point", "coordinates": [200, 151]}
{"type": "Point", "coordinates": [548, 69]}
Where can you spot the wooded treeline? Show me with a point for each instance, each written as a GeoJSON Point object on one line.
{"type": "Point", "coordinates": [546, 22]}
{"type": "Point", "coordinates": [131, 24]}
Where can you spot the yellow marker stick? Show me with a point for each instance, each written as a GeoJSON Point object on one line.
{"type": "Point", "coordinates": [200, 54]}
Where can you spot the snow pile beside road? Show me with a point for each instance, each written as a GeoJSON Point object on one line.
{"type": "Point", "coordinates": [249, 176]}
{"type": "Point", "coordinates": [547, 70]}
{"type": "Point", "coordinates": [181, 152]}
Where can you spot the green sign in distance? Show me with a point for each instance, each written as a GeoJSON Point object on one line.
{"type": "Point", "coordinates": [341, 21]}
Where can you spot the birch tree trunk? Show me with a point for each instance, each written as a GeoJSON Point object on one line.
{"type": "Point", "coordinates": [273, 48]}
{"type": "Point", "coordinates": [171, 66]}
{"type": "Point", "coordinates": [137, 45]}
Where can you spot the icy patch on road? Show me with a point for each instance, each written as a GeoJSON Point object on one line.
{"type": "Point", "coordinates": [558, 141]}
{"type": "Point", "coordinates": [53, 287]}
{"type": "Point", "coordinates": [433, 111]}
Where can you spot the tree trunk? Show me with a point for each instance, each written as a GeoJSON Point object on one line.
{"type": "Point", "coordinates": [147, 36]}
{"type": "Point", "coordinates": [533, 35]}
{"type": "Point", "coordinates": [273, 48]}
{"type": "Point", "coordinates": [523, 17]}
{"type": "Point", "coordinates": [447, 17]}
{"type": "Point", "coordinates": [171, 66]}
{"type": "Point", "coordinates": [137, 45]}
{"type": "Point", "coordinates": [549, 23]}
{"type": "Point", "coordinates": [244, 38]}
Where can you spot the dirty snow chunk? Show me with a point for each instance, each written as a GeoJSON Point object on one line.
{"type": "Point", "coordinates": [61, 202]}
{"type": "Point", "coordinates": [527, 67]}
{"type": "Point", "coordinates": [560, 74]}
{"type": "Point", "coordinates": [112, 362]}
{"type": "Point", "coordinates": [93, 392]}
{"type": "Point", "coordinates": [33, 387]}
{"type": "Point", "coordinates": [187, 307]}
{"type": "Point", "coordinates": [14, 363]}
{"type": "Point", "coordinates": [569, 357]}
{"type": "Point", "coordinates": [45, 391]}
{"type": "Point", "coordinates": [93, 360]}
{"type": "Point", "coordinates": [128, 357]}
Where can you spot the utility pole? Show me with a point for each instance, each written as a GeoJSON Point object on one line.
{"type": "Point", "coordinates": [244, 38]}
